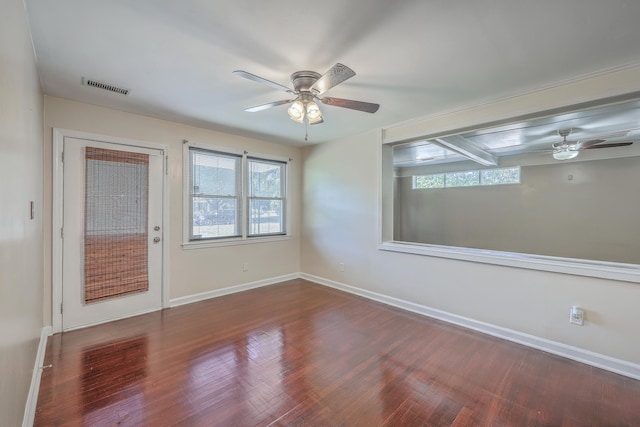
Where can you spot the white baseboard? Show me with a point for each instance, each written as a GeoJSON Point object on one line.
{"type": "Point", "coordinates": [230, 290]}
{"type": "Point", "coordinates": [102, 322]}
{"type": "Point", "coordinates": [34, 388]}
{"type": "Point", "coordinates": [618, 366]}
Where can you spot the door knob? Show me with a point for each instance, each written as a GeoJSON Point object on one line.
{"type": "Point", "coordinates": [156, 228]}
{"type": "Point", "coordinates": [156, 239]}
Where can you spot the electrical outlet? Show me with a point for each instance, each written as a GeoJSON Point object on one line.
{"type": "Point", "coordinates": [341, 266]}
{"type": "Point", "coordinates": [576, 315]}
{"type": "Point", "coordinates": [245, 266]}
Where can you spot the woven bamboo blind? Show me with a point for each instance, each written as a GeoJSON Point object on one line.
{"type": "Point", "coordinates": [116, 237]}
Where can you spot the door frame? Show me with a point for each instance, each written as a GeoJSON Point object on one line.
{"type": "Point", "coordinates": [58, 214]}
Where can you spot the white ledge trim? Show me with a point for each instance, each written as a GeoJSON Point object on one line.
{"type": "Point", "coordinates": [600, 269]}
{"type": "Point", "coordinates": [214, 243]}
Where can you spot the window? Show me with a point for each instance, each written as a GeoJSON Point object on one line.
{"type": "Point", "coordinates": [468, 178]}
{"type": "Point", "coordinates": [500, 176]}
{"type": "Point", "coordinates": [462, 179]}
{"type": "Point", "coordinates": [429, 181]}
{"type": "Point", "coordinates": [215, 184]}
{"type": "Point", "coordinates": [266, 196]}
{"type": "Point", "coordinates": [232, 196]}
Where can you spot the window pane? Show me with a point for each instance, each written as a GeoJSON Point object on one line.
{"type": "Point", "coordinates": [462, 179]}
{"type": "Point", "coordinates": [500, 176]}
{"type": "Point", "coordinates": [429, 181]}
{"type": "Point", "coordinates": [214, 174]}
{"type": "Point", "coordinates": [115, 189]}
{"type": "Point", "coordinates": [266, 216]}
{"type": "Point", "coordinates": [214, 217]}
{"type": "Point", "coordinates": [265, 179]}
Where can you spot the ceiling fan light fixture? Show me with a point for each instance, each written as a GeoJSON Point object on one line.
{"type": "Point", "coordinates": [565, 153]}
{"type": "Point", "coordinates": [315, 121]}
{"type": "Point", "coordinates": [296, 111]}
{"type": "Point", "coordinates": [314, 115]}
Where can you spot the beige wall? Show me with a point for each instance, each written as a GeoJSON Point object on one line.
{"type": "Point", "coordinates": [21, 256]}
{"type": "Point", "coordinates": [589, 216]}
{"type": "Point", "coordinates": [341, 225]}
{"type": "Point", "coordinates": [190, 271]}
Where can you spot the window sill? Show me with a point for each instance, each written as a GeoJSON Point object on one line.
{"type": "Point", "coordinates": [579, 267]}
{"type": "Point", "coordinates": [203, 244]}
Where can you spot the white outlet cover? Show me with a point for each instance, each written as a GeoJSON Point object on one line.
{"type": "Point", "coordinates": [576, 316]}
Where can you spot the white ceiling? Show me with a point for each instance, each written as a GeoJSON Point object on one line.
{"type": "Point", "coordinates": [413, 57]}
{"type": "Point", "coordinates": [604, 127]}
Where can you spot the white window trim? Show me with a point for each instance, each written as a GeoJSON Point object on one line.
{"type": "Point", "coordinates": [244, 239]}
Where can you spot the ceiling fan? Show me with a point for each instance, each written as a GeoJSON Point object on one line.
{"type": "Point", "coordinates": [566, 150]}
{"type": "Point", "coordinates": [307, 88]}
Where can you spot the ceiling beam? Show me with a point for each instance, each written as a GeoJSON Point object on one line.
{"type": "Point", "coordinates": [468, 149]}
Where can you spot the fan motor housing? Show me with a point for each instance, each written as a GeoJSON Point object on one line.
{"type": "Point", "coordinates": [303, 80]}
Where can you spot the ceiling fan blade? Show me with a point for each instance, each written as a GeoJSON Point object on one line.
{"type": "Point", "coordinates": [259, 79]}
{"type": "Point", "coordinates": [589, 144]}
{"type": "Point", "coordinates": [269, 105]}
{"type": "Point", "coordinates": [610, 145]}
{"type": "Point", "coordinates": [336, 75]}
{"type": "Point", "coordinates": [367, 107]}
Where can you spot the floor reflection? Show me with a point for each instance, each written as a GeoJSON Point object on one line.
{"type": "Point", "coordinates": [249, 370]}
{"type": "Point", "coordinates": [111, 378]}
{"type": "Point", "coordinates": [411, 392]}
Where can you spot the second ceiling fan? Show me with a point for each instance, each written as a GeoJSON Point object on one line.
{"type": "Point", "coordinates": [307, 88]}
{"type": "Point", "coordinates": [566, 150]}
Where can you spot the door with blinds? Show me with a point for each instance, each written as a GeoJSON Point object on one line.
{"type": "Point", "coordinates": [112, 231]}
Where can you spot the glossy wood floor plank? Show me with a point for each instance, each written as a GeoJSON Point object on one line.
{"type": "Point", "coordinates": [299, 354]}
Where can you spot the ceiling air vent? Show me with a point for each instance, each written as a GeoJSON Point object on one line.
{"type": "Point", "coordinates": [105, 86]}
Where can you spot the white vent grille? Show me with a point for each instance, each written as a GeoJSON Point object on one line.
{"type": "Point", "coordinates": [105, 86]}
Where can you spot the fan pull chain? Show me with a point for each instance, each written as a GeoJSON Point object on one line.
{"type": "Point", "coordinates": [306, 130]}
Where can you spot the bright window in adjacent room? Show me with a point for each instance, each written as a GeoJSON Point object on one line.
{"type": "Point", "coordinates": [471, 178]}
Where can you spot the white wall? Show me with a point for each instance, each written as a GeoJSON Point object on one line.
{"type": "Point", "coordinates": [340, 199]}
{"type": "Point", "coordinates": [190, 271]}
{"type": "Point", "coordinates": [21, 257]}
{"type": "Point", "coordinates": [589, 216]}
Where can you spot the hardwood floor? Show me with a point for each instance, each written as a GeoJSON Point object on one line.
{"type": "Point", "coordinates": [300, 354]}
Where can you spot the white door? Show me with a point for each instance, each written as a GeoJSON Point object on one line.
{"type": "Point", "coordinates": [112, 231]}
